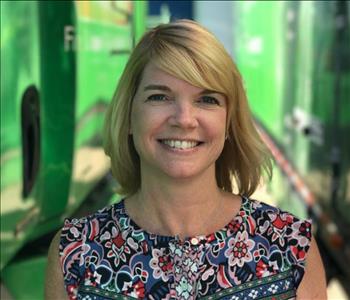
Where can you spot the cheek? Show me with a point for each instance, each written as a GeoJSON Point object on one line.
{"type": "Point", "coordinates": [216, 126]}
{"type": "Point", "coordinates": [142, 124]}
{"type": "Point", "coordinates": [136, 119]}
{"type": "Point", "coordinates": [147, 118]}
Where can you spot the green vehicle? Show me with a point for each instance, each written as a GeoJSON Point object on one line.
{"type": "Point", "coordinates": [295, 59]}
{"type": "Point", "coordinates": [60, 64]}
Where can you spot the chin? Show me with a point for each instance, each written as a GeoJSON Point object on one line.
{"type": "Point", "coordinates": [184, 173]}
{"type": "Point", "coordinates": [184, 176]}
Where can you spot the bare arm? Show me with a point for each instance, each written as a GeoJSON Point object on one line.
{"type": "Point", "coordinates": [313, 284]}
{"type": "Point", "coordinates": [54, 283]}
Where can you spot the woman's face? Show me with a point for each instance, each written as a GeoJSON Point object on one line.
{"type": "Point", "coordinates": [178, 129]}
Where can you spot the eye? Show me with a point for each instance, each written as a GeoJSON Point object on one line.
{"type": "Point", "coordinates": [209, 100]}
{"type": "Point", "coordinates": [157, 97]}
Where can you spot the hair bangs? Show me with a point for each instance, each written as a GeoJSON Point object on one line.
{"type": "Point", "coordinates": [182, 64]}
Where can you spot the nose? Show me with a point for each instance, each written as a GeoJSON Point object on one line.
{"type": "Point", "coordinates": [184, 115]}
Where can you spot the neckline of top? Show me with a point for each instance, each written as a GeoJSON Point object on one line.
{"type": "Point", "coordinates": [228, 230]}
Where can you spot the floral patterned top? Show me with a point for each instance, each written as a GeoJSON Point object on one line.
{"type": "Point", "coordinates": [260, 254]}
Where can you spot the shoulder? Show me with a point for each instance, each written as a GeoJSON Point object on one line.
{"type": "Point", "coordinates": [102, 215]}
{"type": "Point", "coordinates": [267, 216]}
{"type": "Point", "coordinates": [276, 223]}
{"type": "Point", "coordinates": [257, 207]}
{"type": "Point", "coordinates": [282, 234]}
{"type": "Point", "coordinates": [88, 227]}
{"type": "Point", "coordinates": [80, 238]}
{"type": "Point", "coordinates": [78, 233]}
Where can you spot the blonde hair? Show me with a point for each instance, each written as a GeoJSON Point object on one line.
{"type": "Point", "coordinates": [188, 51]}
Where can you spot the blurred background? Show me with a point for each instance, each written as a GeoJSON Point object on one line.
{"type": "Point", "coordinates": [60, 64]}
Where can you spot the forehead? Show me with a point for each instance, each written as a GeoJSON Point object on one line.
{"type": "Point", "coordinates": [153, 73]}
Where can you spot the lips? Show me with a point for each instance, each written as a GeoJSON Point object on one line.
{"type": "Point", "coordinates": [180, 144]}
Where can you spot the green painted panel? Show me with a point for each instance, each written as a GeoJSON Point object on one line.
{"type": "Point", "coordinates": [260, 58]}
{"type": "Point", "coordinates": [58, 108]}
{"type": "Point", "coordinates": [310, 105]}
{"type": "Point", "coordinates": [104, 37]}
{"type": "Point", "coordinates": [24, 279]}
{"type": "Point", "coordinates": [294, 56]}
{"type": "Point", "coordinates": [20, 69]}
{"type": "Point", "coordinates": [73, 54]}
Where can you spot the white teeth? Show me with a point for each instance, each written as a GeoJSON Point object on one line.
{"type": "Point", "coordinates": [180, 144]}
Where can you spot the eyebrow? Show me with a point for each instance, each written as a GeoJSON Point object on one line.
{"type": "Point", "coordinates": [168, 89]}
{"type": "Point", "coordinates": [204, 92]}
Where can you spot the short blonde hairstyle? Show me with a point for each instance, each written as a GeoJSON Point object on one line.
{"type": "Point", "coordinates": [188, 51]}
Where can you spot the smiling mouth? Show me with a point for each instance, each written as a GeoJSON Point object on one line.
{"type": "Point", "coordinates": [179, 144]}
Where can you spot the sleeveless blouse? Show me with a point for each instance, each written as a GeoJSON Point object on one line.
{"type": "Point", "coordinates": [259, 254]}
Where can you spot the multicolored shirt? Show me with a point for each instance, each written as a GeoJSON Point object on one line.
{"type": "Point", "coordinates": [259, 254]}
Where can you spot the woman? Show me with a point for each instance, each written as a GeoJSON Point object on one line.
{"type": "Point", "coordinates": [179, 134]}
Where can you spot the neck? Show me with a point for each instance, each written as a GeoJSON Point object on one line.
{"type": "Point", "coordinates": [179, 207]}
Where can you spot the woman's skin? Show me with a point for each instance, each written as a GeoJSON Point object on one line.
{"type": "Point", "coordinates": [54, 282]}
{"type": "Point", "coordinates": [179, 195]}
